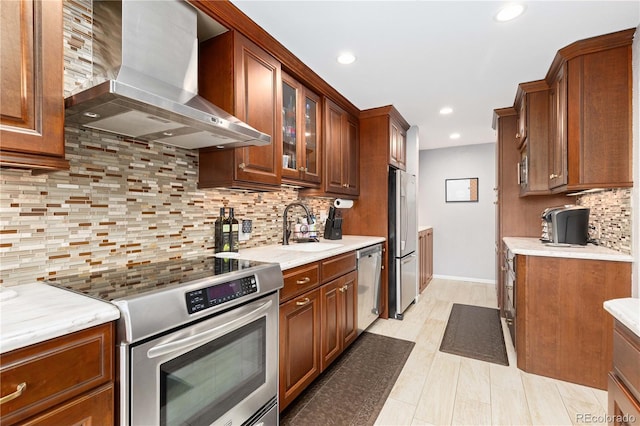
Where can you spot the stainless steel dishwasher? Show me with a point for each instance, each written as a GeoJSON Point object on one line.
{"type": "Point", "coordinates": [369, 270]}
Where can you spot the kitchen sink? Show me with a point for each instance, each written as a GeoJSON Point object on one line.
{"type": "Point", "coordinates": [311, 247]}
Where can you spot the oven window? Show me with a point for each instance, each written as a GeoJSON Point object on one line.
{"type": "Point", "coordinates": [203, 384]}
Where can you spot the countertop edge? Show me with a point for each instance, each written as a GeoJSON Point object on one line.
{"type": "Point", "coordinates": [627, 311]}
{"type": "Point", "coordinates": [293, 259]}
{"type": "Point", "coordinates": [534, 247]}
{"type": "Point", "coordinates": [61, 312]}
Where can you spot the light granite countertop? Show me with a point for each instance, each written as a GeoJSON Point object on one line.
{"type": "Point", "coordinates": [627, 311]}
{"type": "Point", "coordinates": [424, 227]}
{"type": "Point", "coordinates": [33, 313]}
{"type": "Point", "coordinates": [295, 255]}
{"type": "Point", "coordinates": [535, 247]}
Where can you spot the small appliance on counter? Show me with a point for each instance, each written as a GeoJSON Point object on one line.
{"type": "Point", "coordinates": [565, 225]}
{"type": "Point", "coordinates": [333, 225]}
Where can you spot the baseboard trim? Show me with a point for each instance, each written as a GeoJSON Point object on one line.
{"type": "Point", "coordinates": [473, 280]}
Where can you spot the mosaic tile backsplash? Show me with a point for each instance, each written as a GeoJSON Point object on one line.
{"type": "Point", "coordinates": [610, 218]}
{"type": "Point", "coordinates": [122, 202]}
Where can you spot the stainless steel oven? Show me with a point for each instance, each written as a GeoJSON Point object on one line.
{"type": "Point", "coordinates": [200, 350]}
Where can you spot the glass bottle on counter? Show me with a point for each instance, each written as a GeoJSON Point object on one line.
{"type": "Point", "coordinates": [226, 233]}
{"type": "Point", "coordinates": [235, 231]}
{"type": "Point", "coordinates": [218, 232]}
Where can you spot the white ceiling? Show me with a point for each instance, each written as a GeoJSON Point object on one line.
{"type": "Point", "coordinates": [423, 55]}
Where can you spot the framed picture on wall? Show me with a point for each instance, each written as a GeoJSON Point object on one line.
{"type": "Point", "coordinates": [463, 190]}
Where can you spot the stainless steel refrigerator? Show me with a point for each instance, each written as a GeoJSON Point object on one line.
{"type": "Point", "coordinates": [403, 231]}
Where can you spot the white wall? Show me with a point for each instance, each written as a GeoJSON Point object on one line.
{"type": "Point", "coordinates": [463, 233]}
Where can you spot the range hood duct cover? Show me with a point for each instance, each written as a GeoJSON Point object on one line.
{"type": "Point", "coordinates": [145, 79]}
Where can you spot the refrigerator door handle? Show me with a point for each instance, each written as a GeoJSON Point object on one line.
{"type": "Point", "coordinates": [408, 259]}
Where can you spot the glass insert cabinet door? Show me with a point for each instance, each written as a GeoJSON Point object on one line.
{"type": "Point", "coordinates": [300, 132]}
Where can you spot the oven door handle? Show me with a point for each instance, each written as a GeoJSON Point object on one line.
{"type": "Point", "coordinates": [209, 334]}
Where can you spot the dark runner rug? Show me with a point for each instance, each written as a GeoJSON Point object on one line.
{"type": "Point", "coordinates": [354, 388]}
{"type": "Point", "coordinates": [475, 332]}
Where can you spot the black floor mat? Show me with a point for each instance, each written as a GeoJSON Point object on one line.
{"type": "Point", "coordinates": [354, 388]}
{"type": "Point", "coordinates": [475, 332]}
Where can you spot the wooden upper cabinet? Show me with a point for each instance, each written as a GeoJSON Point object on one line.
{"type": "Point", "coordinates": [591, 90]}
{"type": "Point", "coordinates": [238, 76]}
{"type": "Point", "coordinates": [301, 133]}
{"type": "Point", "coordinates": [533, 123]}
{"type": "Point", "coordinates": [31, 85]}
{"type": "Point", "coordinates": [558, 130]}
{"type": "Point", "coordinates": [394, 131]}
{"type": "Point", "coordinates": [523, 119]}
{"type": "Point", "coordinates": [341, 152]}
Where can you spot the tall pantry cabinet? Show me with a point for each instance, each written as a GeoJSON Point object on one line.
{"type": "Point", "coordinates": [369, 215]}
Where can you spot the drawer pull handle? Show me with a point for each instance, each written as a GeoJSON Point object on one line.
{"type": "Point", "coordinates": [305, 280]}
{"type": "Point", "coordinates": [21, 387]}
{"type": "Point", "coordinates": [343, 288]}
{"type": "Point", "coordinates": [303, 301]}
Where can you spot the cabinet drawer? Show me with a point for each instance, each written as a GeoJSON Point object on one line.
{"type": "Point", "coordinates": [93, 408]}
{"type": "Point", "coordinates": [626, 357]}
{"type": "Point", "coordinates": [338, 265]}
{"type": "Point", "coordinates": [55, 371]}
{"type": "Point", "coordinates": [300, 279]}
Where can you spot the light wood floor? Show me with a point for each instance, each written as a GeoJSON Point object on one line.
{"type": "Point", "coordinates": [437, 388]}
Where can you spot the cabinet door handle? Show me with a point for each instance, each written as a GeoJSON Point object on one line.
{"type": "Point", "coordinates": [305, 280]}
{"type": "Point", "coordinates": [509, 321]}
{"type": "Point", "coordinates": [301, 169]}
{"type": "Point", "coordinates": [343, 288]}
{"type": "Point", "coordinates": [303, 301]}
{"type": "Point", "coordinates": [19, 389]}
{"type": "Point", "coordinates": [553, 176]}
{"type": "Point", "coordinates": [241, 166]}
{"type": "Point", "coordinates": [517, 135]}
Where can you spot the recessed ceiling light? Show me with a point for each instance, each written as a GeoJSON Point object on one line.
{"type": "Point", "coordinates": [446, 110]}
{"type": "Point", "coordinates": [509, 12]}
{"type": "Point", "coordinates": [346, 58]}
{"type": "Point", "coordinates": [454, 136]}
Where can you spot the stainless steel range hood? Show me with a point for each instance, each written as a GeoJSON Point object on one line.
{"type": "Point", "coordinates": [145, 79]}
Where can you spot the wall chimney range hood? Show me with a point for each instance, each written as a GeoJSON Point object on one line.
{"type": "Point", "coordinates": [145, 79]}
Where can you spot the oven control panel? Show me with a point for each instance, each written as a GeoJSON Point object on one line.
{"type": "Point", "coordinates": [204, 298]}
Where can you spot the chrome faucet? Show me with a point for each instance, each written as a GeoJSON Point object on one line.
{"type": "Point", "coordinates": [285, 227]}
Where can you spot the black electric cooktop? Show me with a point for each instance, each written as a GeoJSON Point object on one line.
{"type": "Point", "coordinates": [120, 283]}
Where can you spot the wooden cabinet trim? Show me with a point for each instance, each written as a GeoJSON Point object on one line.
{"type": "Point", "coordinates": [587, 46]}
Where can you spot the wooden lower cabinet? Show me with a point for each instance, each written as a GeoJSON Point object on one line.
{"type": "Point", "coordinates": [339, 307]}
{"type": "Point", "coordinates": [299, 345]}
{"type": "Point", "coordinates": [67, 380]}
{"type": "Point", "coordinates": [425, 247]}
{"type": "Point", "coordinates": [92, 409]}
{"type": "Point", "coordinates": [317, 323]}
{"type": "Point", "coordinates": [624, 378]}
{"type": "Point", "coordinates": [562, 329]}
